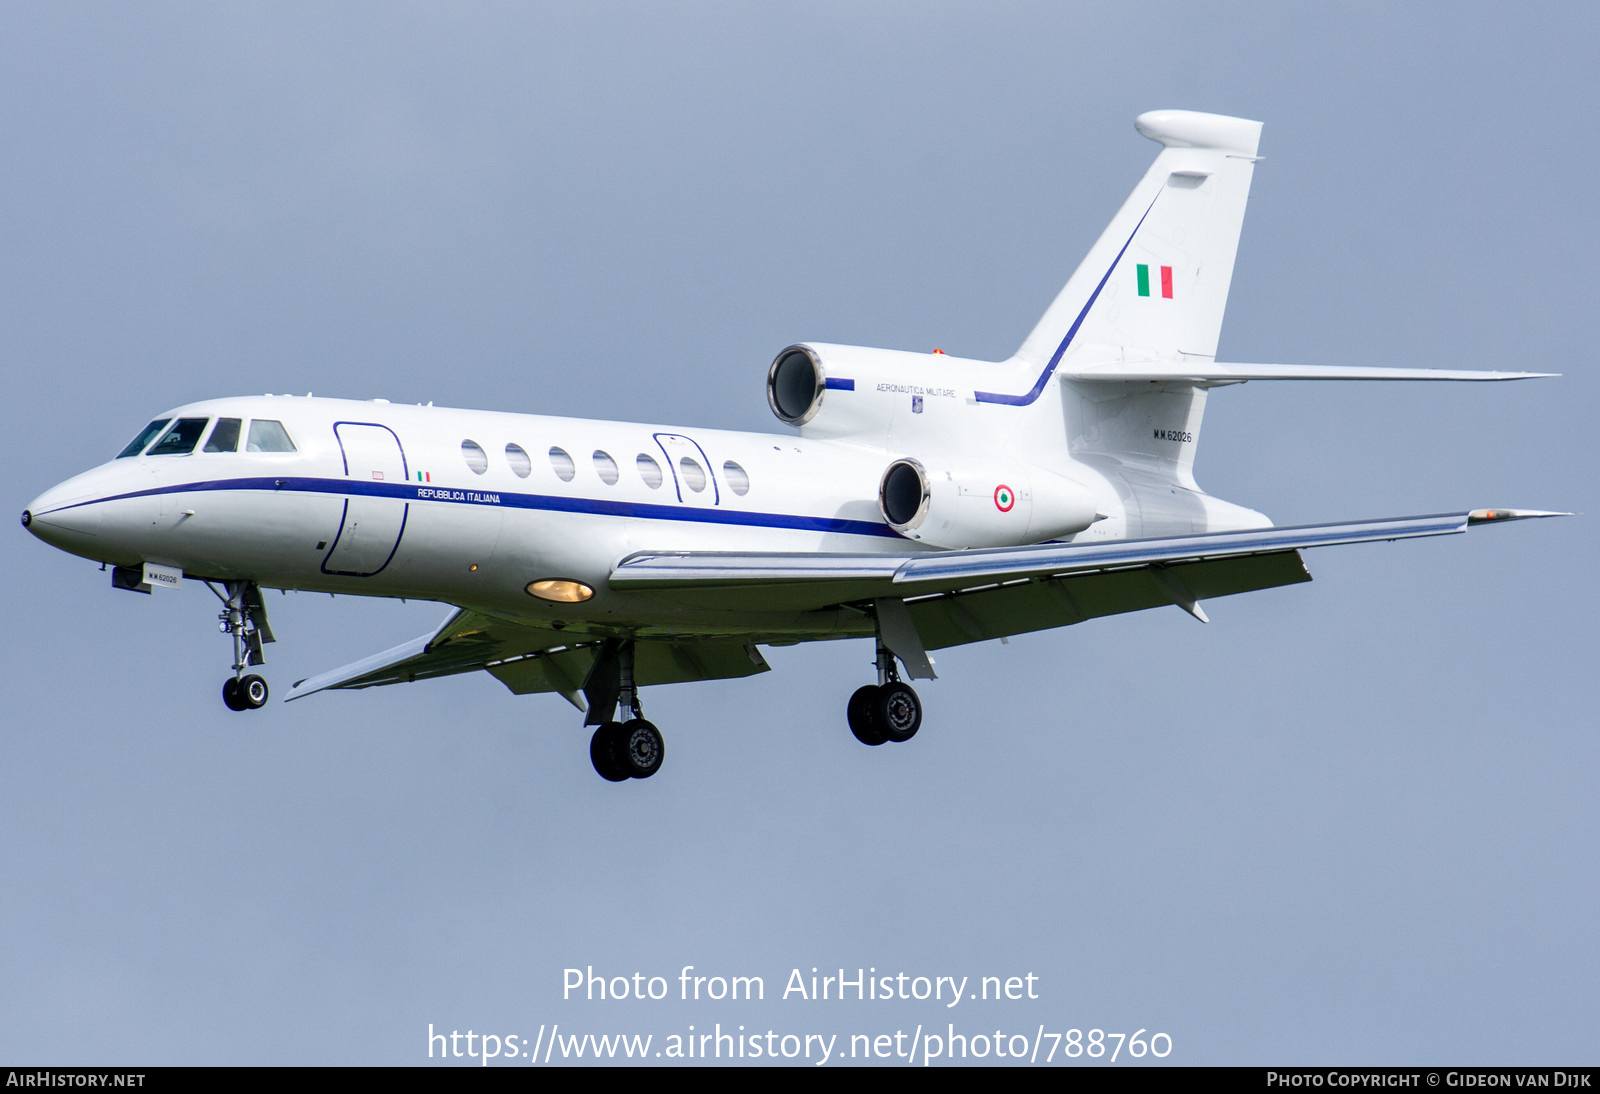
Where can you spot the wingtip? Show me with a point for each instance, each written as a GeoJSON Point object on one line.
{"type": "Point", "coordinates": [1495, 516]}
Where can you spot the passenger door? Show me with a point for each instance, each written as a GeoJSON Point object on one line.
{"type": "Point", "coordinates": [690, 469]}
{"type": "Point", "coordinates": [374, 515]}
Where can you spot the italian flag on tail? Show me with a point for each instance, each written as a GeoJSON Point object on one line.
{"type": "Point", "coordinates": [1166, 281]}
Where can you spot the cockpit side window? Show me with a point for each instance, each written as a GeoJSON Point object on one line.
{"type": "Point", "coordinates": [268, 436]}
{"type": "Point", "coordinates": [224, 438]}
{"type": "Point", "coordinates": [146, 435]}
{"type": "Point", "coordinates": [181, 438]}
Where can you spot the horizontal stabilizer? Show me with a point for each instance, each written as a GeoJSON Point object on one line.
{"type": "Point", "coordinates": [1208, 372]}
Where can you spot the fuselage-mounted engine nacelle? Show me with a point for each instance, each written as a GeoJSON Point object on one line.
{"type": "Point", "coordinates": [982, 503]}
{"type": "Point", "coordinates": [796, 383]}
{"type": "Point", "coordinates": [861, 394]}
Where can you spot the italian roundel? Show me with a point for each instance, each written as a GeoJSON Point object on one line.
{"type": "Point", "coordinates": [1004, 499]}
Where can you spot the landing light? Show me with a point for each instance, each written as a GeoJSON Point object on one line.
{"type": "Point", "coordinates": [561, 592]}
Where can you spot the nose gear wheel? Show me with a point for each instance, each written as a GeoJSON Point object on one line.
{"type": "Point", "coordinates": [244, 617]}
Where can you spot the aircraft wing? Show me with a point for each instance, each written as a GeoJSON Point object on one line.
{"type": "Point", "coordinates": [924, 601]}
{"type": "Point", "coordinates": [528, 658]}
{"type": "Point", "coordinates": [955, 597]}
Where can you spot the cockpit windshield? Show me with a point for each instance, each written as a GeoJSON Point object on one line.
{"type": "Point", "coordinates": [181, 438]}
{"type": "Point", "coordinates": [146, 435]}
{"type": "Point", "coordinates": [268, 436]}
{"type": "Point", "coordinates": [224, 438]}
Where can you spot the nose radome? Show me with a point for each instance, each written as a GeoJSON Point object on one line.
{"type": "Point", "coordinates": [65, 516]}
{"type": "Point", "coordinates": [61, 496]}
{"type": "Point", "coordinates": [63, 526]}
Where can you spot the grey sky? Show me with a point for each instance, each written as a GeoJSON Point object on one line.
{"type": "Point", "coordinates": [1351, 821]}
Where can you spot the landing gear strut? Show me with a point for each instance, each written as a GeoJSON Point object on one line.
{"type": "Point", "coordinates": [244, 616]}
{"type": "Point", "coordinates": [887, 711]}
{"type": "Point", "coordinates": [631, 748]}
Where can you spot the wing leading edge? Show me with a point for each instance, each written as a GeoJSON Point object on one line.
{"type": "Point", "coordinates": [950, 571]}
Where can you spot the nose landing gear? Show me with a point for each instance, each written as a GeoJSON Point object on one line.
{"type": "Point", "coordinates": [244, 692]}
{"type": "Point", "coordinates": [244, 616]}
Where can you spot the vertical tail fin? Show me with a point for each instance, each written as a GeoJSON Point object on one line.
{"type": "Point", "coordinates": [1155, 284]}
{"type": "Point", "coordinates": [1153, 288]}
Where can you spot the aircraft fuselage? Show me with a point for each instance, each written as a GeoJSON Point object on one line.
{"type": "Point", "coordinates": [472, 507]}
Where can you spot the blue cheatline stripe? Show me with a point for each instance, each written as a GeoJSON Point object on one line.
{"type": "Point", "coordinates": [1028, 397]}
{"type": "Point", "coordinates": [413, 492]}
{"type": "Point", "coordinates": [838, 384]}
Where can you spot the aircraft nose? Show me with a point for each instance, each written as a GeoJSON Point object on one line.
{"type": "Point", "coordinates": [64, 516]}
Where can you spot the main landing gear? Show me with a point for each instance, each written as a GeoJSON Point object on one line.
{"type": "Point", "coordinates": [886, 711]}
{"type": "Point", "coordinates": [626, 750]}
{"type": "Point", "coordinates": [631, 748]}
{"type": "Point", "coordinates": [244, 616]}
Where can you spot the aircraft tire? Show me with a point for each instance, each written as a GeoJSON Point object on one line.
{"type": "Point", "coordinates": [603, 752]}
{"type": "Point", "coordinates": [253, 692]}
{"type": "Point", "coordinates": [896, 712]}
{"type": "Point", "coordinates": [230, 694]}
{"type": "Point", "coordinates": [640, 748]}
{"type": "Point", "coordinates": [858, 712]}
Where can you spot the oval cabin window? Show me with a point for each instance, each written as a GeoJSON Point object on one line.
{"type": "Point", "coordinates": [517, 457]}
{"type": "Point", "coordinates": [694, 476]}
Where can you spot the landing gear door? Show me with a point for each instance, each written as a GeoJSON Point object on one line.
{"type": "Point", "coordinates": [374, 516]}
{"type": "Point", "coordinates": [691, 470]}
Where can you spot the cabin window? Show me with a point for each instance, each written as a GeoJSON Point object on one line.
{"type": "Point", "coordinates": [519, 461]}
{"type": "Point", "coordinates": [181, 438]}
{"type": "Point", "coordinates": [694, 476]}
{"type": "Point", "coordinates": [649, 471]}
{"type": "Point", "coordinates": [476, 457]}
{"type": "Point", "coordinates": [563, 465]}
{"type": "Point", "coordinates": [606, 468]}
{"type": "Point", "coordinates": [146, 435]}
{"type": "Point", "coordinates": [736, 478]}
{"type": "Point", "coordinates": [224, 438]}
{"type": "Point", "coordinates": [267, 435]}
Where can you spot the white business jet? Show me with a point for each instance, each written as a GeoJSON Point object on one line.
{"type": "Point", "coordinates": [921, 500]}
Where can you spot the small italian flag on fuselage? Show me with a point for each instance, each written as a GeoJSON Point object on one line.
{"type": "Point", "coordinates": [1166, 281]}
{"type": "Point", "coordinates": [424, 476]}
